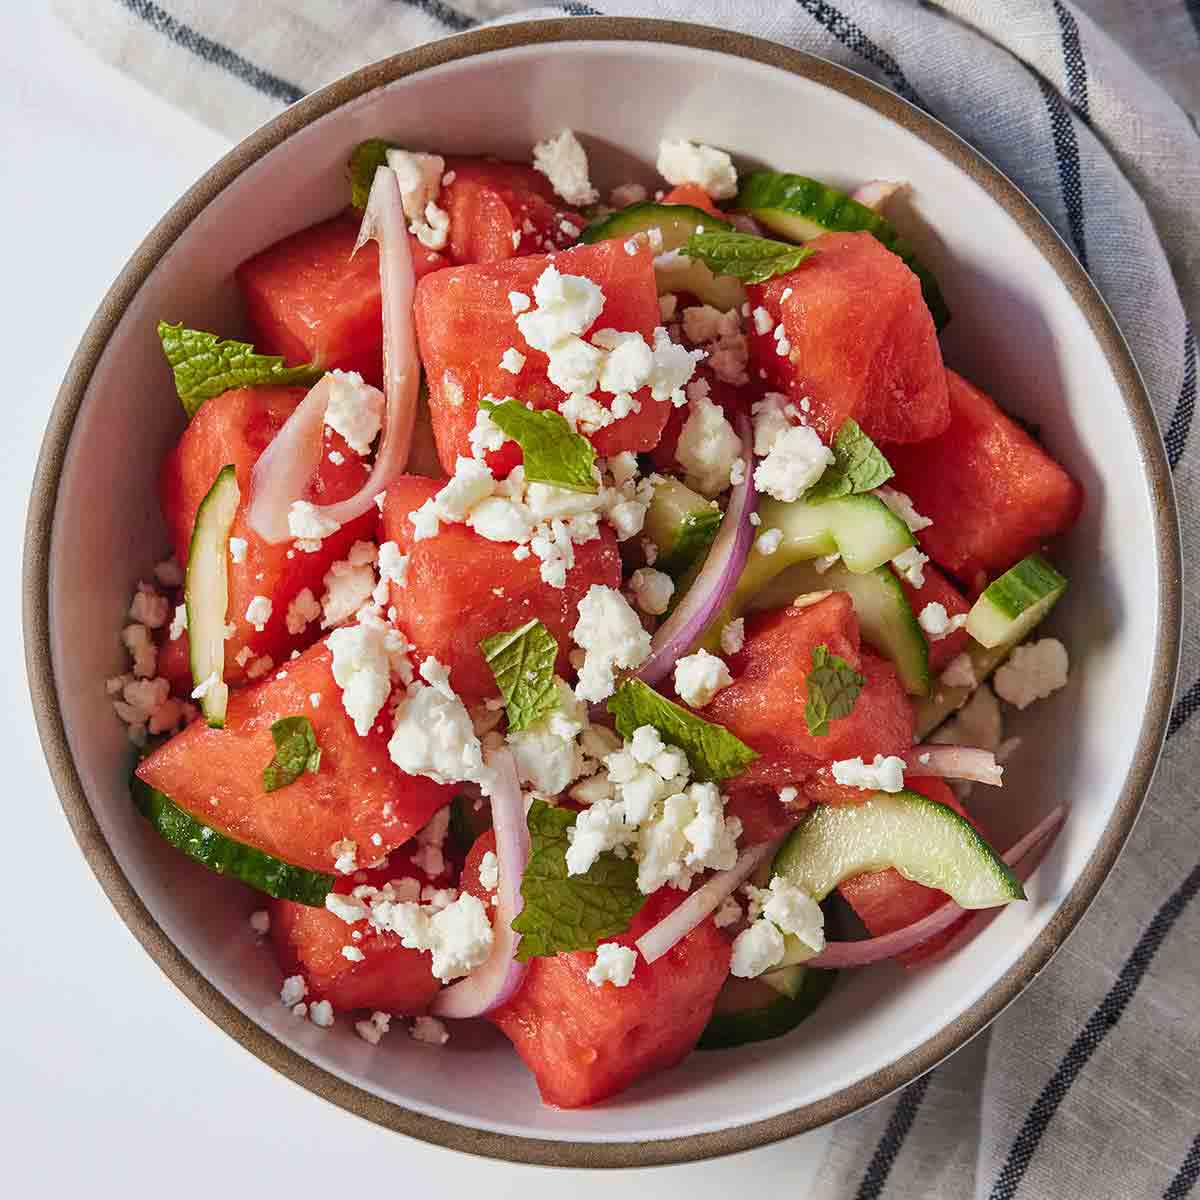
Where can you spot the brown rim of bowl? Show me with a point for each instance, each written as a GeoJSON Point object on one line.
{"type": "Point", "coordinates": [35, 596]}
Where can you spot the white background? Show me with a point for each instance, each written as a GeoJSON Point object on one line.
{"type": "Point", "coordinates": [111, 1083]}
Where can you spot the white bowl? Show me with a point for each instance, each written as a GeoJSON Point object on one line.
{"type": "Point", "coordinates": [1028, 327]}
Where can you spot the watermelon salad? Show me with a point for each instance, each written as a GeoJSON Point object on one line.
{"type": "Point", "coordinates": [577, 609]}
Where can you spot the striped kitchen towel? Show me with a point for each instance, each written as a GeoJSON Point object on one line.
{"type": "Point", "coordinates": [1089, 1086]}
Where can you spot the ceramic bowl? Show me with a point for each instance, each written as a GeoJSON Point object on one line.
{"type": "Point", "coordinates": [1028, 326]}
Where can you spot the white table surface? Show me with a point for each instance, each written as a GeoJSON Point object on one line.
{"type": "Point", "coordinates": [112, 1083]}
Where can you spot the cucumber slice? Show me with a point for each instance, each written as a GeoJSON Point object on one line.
{"type": "Point", "coordinates": [682, 524]}
{"type": "Point", "coordinates": [1013, 604]}
{"type": "Point", "coordinates": [225, 856]}
{"type": "Point", "coordinates": [756, 1010]}
{"type": "Point", "coordinates": [861, 528]}
{"type": "Point", "coordinates": [677, 223]}
{"type": "Point", "coordinates": [802, 209]}
{"type": "Point", "coordinates": [206, 592]}
{"type": "Point", "coordinates": [925, 841]}
{"type": "Point", "coordinates": [883, 611]}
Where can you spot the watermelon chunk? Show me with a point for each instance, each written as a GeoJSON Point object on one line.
{"type": "Point", "coordinates": [236, 427]}
{"type": "Point", "coordinates": [585, 1043]}
{"type": "Point", "coordinates": [993, 494]}
{"type": "Point", "coordinates": [310, 301]}
{"type": "Point", "coordinates": [694, 195]}
{"type": "Point", "coordinates": [357, 794]}
{"type": "Point", "coordinates": [465, 323]}
{"type": "Point", "coordinates": [939, 590]}
{"type": "Point", "coordinates": [764, 706]}
{"type": "Point", "coordinates": [885, 901]}
{"type": "Point", "coordinates": [309, 941]}
{"type": "Point", "coordinates": [461, 588]}
{"type": "Point", "coordinates": [863, 344]}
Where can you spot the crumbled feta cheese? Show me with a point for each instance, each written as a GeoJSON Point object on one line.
{"type": "Point", "coordinates": [937, 623]}
{"type": "Point", "coordinates": [205, 686]}
{"type": "Point", "coordinates": [763, 321]}
{"type": "Point", "coordinates": [352, 954]}
{"type": "Point", "coordinates": [420, 179]}
{"type": "Point", "coordinates": [458, 936]}
{"type": "Point", "coordinates": [609, 631]}
{"type": "Point", "coordinates": [724, 341]}
{"type": "Point", "coordinates": [910, 566]}
{"type": "Point", "coordinates": [178, 623]}
{"type": "Point", "coordinates": [883, 774]}
{"type": "Point", "coordinates": [797, 458]}
{"type": "Point", "coordinates": [902, 506]}
{"type": "Point", "coordinates": [348, 586]}
{"type": "Point", "coordinates": [614, 964]}
{"type": "Point", "coordinates": [564, 163]}
{"type": "Point", "coordinates": [733, 636]}
{"type": "Point", "coordinates": [687, 834]}
{"type": "Point", "coordinates": [308, 523]}
{"type": "Point", "coordinates": [546, 755]}
{"type": "Point", "coordinates": [566, 306]}
{"type": "Point", "coordinates": [978, 723]}
{"type": "Point", "coordinates": [149, 607]}
{"type": "Point", "coordinates": [756, 949]}
{"type": "Point", "coordinates": [629, 363]}
{"type": "Point", "coordinates": [707, 448]}
{"type": "Point", "coordinates": [321, 1014]}
{"type": "Point", "coordinates": [372, 1031]}
{"type": "Point", "coordinates": [768, 541]}
{"type": "Point", "coordinates": [260, 921]}
{"type": "Point", "coordinates": [652, 590]}
{"type": "Point", "coordinates": [1033, 671]}
{"type": "Point", "coordinates": [354, 409]}
{"type": "Point", "coordinates": [302, 610]}
{"type": "Point", "coordinates": [518, 302]}
{"type": "Point", "coordinates": [365, 656]}
{"type": "Point", "coordinates": [512, 360]}
{"type": "Point", "coordinates": [429, 1030]}
{"type": "Point", "coordinates": [142, 650]}
{"type": "Point", "coordinates": [489, 871]}
{"type": "Point", "coordinates": [699, 677]}
{"type": "Point", "coordinates": [681, 161]}
{"type": "Point", "coordinates": [823, 564]}
{"type": "Point", "coordinates": [959, 672]}
{"type": "Point", "coordinates": [294, 989]}
{"type": "Point", "coordinates": [258, 612]}
{"type": "Point", "coordinates": [793, 911]}
{"type": "Point", "coordinates": [345, 856]}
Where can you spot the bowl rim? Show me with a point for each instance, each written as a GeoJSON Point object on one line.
{"type": "Point", "coordinates": [187, 977]}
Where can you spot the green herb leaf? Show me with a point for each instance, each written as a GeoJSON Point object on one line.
{"type": "Point", "coordinates": [296, 751]}
{"type": "Point", "coordinates": [744, 256]}
{"type": "Point", "coordinates": [833, 687]}
{"type": "Point", "coordinates": [858, 466]}
{"type": "Point", "coordinates": [205, 366]}
{"type": "Point", "coordinates": [522, 661]}
{"type": "Point", "coordinates": [366, 158]}
{"type": "Point", "coordinates": [570, 912]}
{"type": "Point", "coordinates": [713, 752]}
{"type": "Point", "coordinates": [552, 452]}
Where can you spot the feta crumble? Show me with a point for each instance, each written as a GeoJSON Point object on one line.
{"type": "Point", "coordinates": [795, 460]}
{"type": "Point", "coordinates": [1033, 671]}
{"type": "Point", "coordinates": [681, 161]}
{"type": "Point", "coordinates": [258, 612]}
{"type": "Point", "coordinates": [373, 1030]}
{"type": "Point", "coordinates": [489, 871]}
{"type": "Point", "coordinates": [733, 636]}
{"type": "Point", "coordinates": [937, 623]}
{"type": "Point", "coordinates": [959, 672]}
{"type": "Point", "coordinates": [294, 989]}
{"type": "Point", "coordinates": [708, 447]}
{"type": "Point", "coordinates": [883, 774]}
{"type": "Point", "coordinates": [902, 506]}
{"type": "Point", "coordinates": [610, 634]}
{"type": "Point", "coordinates": [564, 163]}
{"type": "Point", "coordinates": [756, 949]}
{"type": "Point", "coordinates": [652, 590]}
{"type": "Point", "coordinates": [429, 1030]}
{"type": "Point", "coordinates": [768, 541]}
{"type": "Point", "coordinates": [365, 657]}
{"type": "Point", "coordinates": [307, 523]}
{"type": "Point", "coordinates": [699, 677]}
{"type": "Point", "coordinates": [354, 409]}
{"type": "Point", "coordinates": [614, 964]}
{"type": "Point", "coordinates": [512, 360]}
{"type": "Point", "coordinates": [301, 611]}
{"type": "Point", "coordinates": [910, 566]}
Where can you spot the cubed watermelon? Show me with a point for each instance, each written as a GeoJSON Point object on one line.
{"type": "Point", "coordinates": [357, 794]}
{"type": "Point", "coordinates": [309, 941]}
{"type": "Point", "coordinates": [460, 588]}
{"type": "Point", "coordinates": [310, 301]}
{"type": "Point", "coordinates": [993, 494]}
{"type": "Point", "coordinates": [696, 196]}
{"type": "Point", "coordinates": [234, 428]}
{"type": "Point", "coordinates": [465, 323]}
{"type": "Point", "coordinates": [861, 341]}
{"type": "Point", "coordinates": [937, 589]}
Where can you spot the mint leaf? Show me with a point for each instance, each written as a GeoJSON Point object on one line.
{"type": "Point", "coordinates": [552, 452]}
{"type": "Point", "coordinates": [365, 159]}
{"type": "Point", "coordinates": [744, 256]}
{"type": "Point", "coordinates": [713, 752]}
{"type": "Point", "coordinates": [522, 661]}
{"type": "Point", "coordinates": [858, 466]}
{"type": "Point", "coordinates": [570, 912]}
{"type": "Point", "coordinates": [833, 687]}
{"type": "Point", "coordinates": [296, 751]}
{"type": "Point", "coordinates": [205, 365]}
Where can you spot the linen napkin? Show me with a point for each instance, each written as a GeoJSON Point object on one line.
{"type": "Point", "coordinates": [1090, 1084]}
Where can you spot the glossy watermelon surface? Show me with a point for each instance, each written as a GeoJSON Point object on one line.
{"type": "Point", "coordinates": [695, 196]}
{"type": "Point", "coordinates": [461, 588]}
{"type": "Point", "coordinates": [357, 793]}
{"type": "Point", "coordinates": [937, 589]}
{"type": "Point", "coordinates": [465, 323]}
{"type": "Point", "coordinates": [992, 492]}
{"type": "Point", "coordinates": [234, 428]}
{"type": "Point", "coordinates": [861, 341]}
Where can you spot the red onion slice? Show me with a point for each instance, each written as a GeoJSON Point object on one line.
{"type": "Point", "coordinates": [489, 986]}
{"type": "Point", "coordinates": [678, 923]}
{"type": "Point", "coordinates": [288, 462]}
{"type": "Point", "coordinates": [888, 945]}
{"type": "Point", "coordinates": [876, 193]}
{"type": "Point", "coordinates": [717, 578]}
{"type": "Point", "coordinates": [954, 762]}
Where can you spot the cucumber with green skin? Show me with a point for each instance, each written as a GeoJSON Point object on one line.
{"type": "Point", "coordinates": [677, 223]}
{"type": "Point", "coordinates": [206, 592]}
{"type": "Point", "coordinates": [1013, 604]}
{"type": "Point", "coordinates": [225, 856]}
{"type": "Point", "coordinates": [682, 524]}
{"type": "Point", "coordinates": [756, 1010]}
{"type": "Point", "coordinates": [884, 613]}
{"type": "Point", "coordinates": [802, 209]}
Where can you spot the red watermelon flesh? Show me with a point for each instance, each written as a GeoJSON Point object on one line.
{"type": "Point", "coordinates": [310, 301]}
{"type": "Point", "coordinates": [465, 323]}
{"type": "Point", "coordinates": [863, 344]}
{"type": "Point", "coordinates": [938, 589]}
{"type": "Point", "coordinates": [993, 494]}
{"type": "Point", "coordinates": [764, 706]}
{"type": "Point", "coordinates": [585, 1043]}
{"type": "Point", "coordinates": [885, 901]}
{"type": "Point", "coordinates": [358, 793]}
{"type": "Point", "coordinates": [450, 601]}
{"type": "Point", "coordinates": [234, 428]}
{"type": "Point", "coordinates": [309, 941]}
{"type": "Point", "coordinates": [696, 196]}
